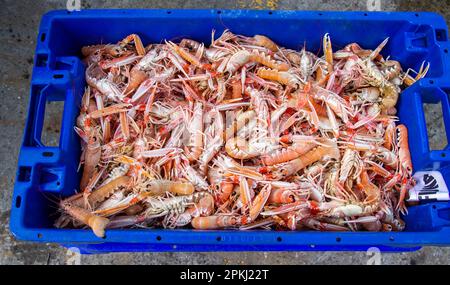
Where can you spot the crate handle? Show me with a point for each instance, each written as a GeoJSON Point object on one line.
{"type": "Point", "coordinates": [440, 96]}
{"type": "Point", "coordinates": [38, 116]}
{"type": "Point", "coordinates": [46, 95]}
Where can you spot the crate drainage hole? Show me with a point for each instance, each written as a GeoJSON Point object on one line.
{"type": "Point", "coordinates": [270, 12]}
{"type": "Point", "coordinates": [446, 50]}
{"type": "Point", "coordinates": [441, 35]}
{"type": "Point", "coordinates": [218, 238]}
{"type": "Point", "coordinates": [39, 235]}
{"type": "Point", "coordinates": [279, 239]}
{"type": "Point", "coordinates": [18, 201]}
{"type": "Point", "coordinates": [24, 174]}
{"type": "Point", "coordinates": [391, 238]}
{"type": "Point", "coordinates": [43, 36]}
{"type": "Point", "coordinates": [437, 139]}
{"type": "Point", "coordinates": [434, 207]}
{"type": "Point", "coordinates": [47, 153]}
{"type": "Point", "coordinates": [443, 154]}
{"type": "Point", "coordinates": [169, 12]}
{"type": "Point", "coordinates": [219, 12]}
{"type": "Point", "coordinates": [58, 76]}
{"type": "Point", "coordinates": [158, 238]}
{"type": "Point", "coordinates": [41, 60]}
{"type": "Point", "coordinates": [338, 239]}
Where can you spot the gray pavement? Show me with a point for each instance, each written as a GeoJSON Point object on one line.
{"type": "Point", "coordinates": [18, 31]}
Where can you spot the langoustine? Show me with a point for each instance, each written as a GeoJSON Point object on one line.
{"type": "Point", "coordinates": [242, 134]}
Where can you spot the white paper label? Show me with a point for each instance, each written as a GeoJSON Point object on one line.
{"type": "Point", "coordinates": [430, 186]}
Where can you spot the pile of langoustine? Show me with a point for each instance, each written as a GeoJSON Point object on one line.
{"type": "Point", "coordinates": [242, 134]}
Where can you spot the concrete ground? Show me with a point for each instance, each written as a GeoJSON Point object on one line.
{"type": "Point", "coordinates": [18, 31]}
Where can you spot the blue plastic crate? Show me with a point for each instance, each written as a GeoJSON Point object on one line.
{"type": "Point", "coordinates": [58, 75]}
